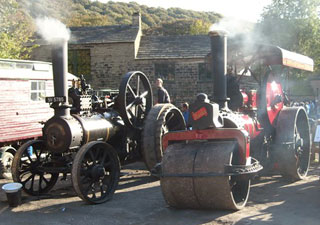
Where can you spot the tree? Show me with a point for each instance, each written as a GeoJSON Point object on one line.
{"type": "Point", "coordinates": [181, 27]}
{"type": "Point", "coordinates": [90, 19]}
{"type": "Point", "coordinates": [199, 27]}
{"type": "Point", "coordinates": [293, 25]}
{"type": "Point", "coordinates": [15, 31]}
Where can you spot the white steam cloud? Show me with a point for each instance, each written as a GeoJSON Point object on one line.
{"type": "Point", "coordinates": [232, 26]}
{"type": "Point", "coordinates": [52, 30]}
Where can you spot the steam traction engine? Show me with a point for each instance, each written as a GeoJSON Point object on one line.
{"type": "Point", "coordinates": [211, 165]}
{"type": "Point", "coordinates": [90, 138]}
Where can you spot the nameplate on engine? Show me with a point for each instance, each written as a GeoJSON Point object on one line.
{"type": "Point", "coordinates": [199, 114]}
{"type": "Point", "coordinates": [59, 99]}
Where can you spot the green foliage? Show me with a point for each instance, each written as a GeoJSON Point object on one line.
{"type": "Point", "coordinates": [199, 27]}
{"type": "Point", "coordinates": [293, 25]}
{"type": "Point", "coordinates": [156, 21]}
{"type": "Point", "coordinates": [180, 27]}
{"type": "Point", "coordinates": [91, 19]}
{"type": "Point", "coordinates": [15, 31]}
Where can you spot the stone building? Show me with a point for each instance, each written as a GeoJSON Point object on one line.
{"type": "Point", "coordinates": [105, 54]}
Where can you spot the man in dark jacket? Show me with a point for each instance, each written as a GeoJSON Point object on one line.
{"type": "Point", "coordinates": [163, 95]}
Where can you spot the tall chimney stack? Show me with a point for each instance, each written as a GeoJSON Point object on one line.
{"type": "Point", "coordinates": [218, 41]}
{"type": "Point", "coordinates": [136, 19]}
{"type": "Point", "coordinates": [60, 68]}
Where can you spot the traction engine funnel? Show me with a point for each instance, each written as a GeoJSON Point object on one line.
{"type": "Point", "coordinates": [218, 41]}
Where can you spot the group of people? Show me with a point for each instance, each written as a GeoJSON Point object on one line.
{"type": "Point", "coordinates": [311, 107]}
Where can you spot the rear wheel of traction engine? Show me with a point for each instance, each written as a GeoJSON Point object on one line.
{"type": "Point", "coordinates": [27, 168]}
{"type": "Point", "coordinates": [161, 119]}
{"type": "Point", "coordinates": [293, 143]}
{"type": "Point", "coordinates": [193, 176]}
{"type": "Point", "coordinates": [95, 172]}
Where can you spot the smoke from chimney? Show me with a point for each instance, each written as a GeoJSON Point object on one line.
{"type": "Point", "coordinates": [52, 30]}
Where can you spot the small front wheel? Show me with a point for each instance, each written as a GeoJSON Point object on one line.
{"type": "Point", "coordinates": [95, 172]}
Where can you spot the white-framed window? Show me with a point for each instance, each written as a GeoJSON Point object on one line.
{"type": "Point", "coordinates": [38, 90]}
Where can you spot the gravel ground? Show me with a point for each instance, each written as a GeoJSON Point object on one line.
{"type": "Point", "coordinates": [138, 200]}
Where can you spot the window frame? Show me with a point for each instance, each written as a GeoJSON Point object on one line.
{"type": "Point", "coordinates": [39, 91]}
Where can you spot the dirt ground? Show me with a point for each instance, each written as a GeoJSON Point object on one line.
{"type": "Point", "coordinates": [139, 201]}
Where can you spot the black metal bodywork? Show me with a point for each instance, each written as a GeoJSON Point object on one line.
{"type": "Point", "coordinates": [88, 137]}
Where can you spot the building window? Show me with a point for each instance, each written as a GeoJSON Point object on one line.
{"type": "Point", "coordinates": [80, 63]}
{"type": "Point", "coordinates": [165, 71]}
{"type": "Point", "coordinates": [38, 90]}
{"type": "Point", "coordinates": [204, 70]}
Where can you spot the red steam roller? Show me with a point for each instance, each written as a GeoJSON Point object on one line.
{"type": "Point", "coordinates": [239, 133]}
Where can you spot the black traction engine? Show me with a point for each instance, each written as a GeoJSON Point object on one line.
{"type": "Point", "coordinates": [91, 137]}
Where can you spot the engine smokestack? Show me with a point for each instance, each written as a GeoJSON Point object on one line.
{"type": "Point", "coordinates": [218, 41]}
{"type": "Point", "coordinates": [60, 68]}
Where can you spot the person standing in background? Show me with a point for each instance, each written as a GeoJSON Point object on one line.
{"type": "Point", "coordinates": [185, 112]}
{"type": "Point", "coordinates": [163, 95]}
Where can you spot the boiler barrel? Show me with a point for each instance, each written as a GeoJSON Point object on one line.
{"type": "Point", "coordinates": [193, 176]}
{"type": "Point", "coordinates": [96, 128]}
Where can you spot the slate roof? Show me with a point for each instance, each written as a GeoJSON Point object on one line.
{"type": "Point", "coordinates": [103, 34]}
{"type": "Point", "coordinates": [165, 47]}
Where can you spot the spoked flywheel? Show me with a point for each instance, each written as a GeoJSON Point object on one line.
{"type": "Point", "coordinates": [135, 99]}
{"type": "Point", "coordinates": [28, 168]}
{"type": "Point", "coordinates": [95, 172]}
{"type": "Point", "coordinates": [293, 143]}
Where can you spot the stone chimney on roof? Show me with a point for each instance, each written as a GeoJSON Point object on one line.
{"type": "Point", "coordinates": [136, 19]}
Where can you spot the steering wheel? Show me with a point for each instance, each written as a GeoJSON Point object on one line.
{"type": "Point", "coordinates": [134, 99]}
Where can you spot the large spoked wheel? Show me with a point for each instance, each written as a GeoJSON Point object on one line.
{"type": "Point", "coordinates": [293, 142]}
{"type": "Point", "coordinates": [135, 98]}
{"type": "Point", "coordinates": [27, 168]}
{"type": "Point", "coordinates": [161, 119]}
{"type": "Point", "coordinates": [95, 172]}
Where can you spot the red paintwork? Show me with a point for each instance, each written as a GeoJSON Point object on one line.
{"type": "Point", "coordinates": [252, 126]}
{"type": "Point", "coordinates": [211, 134]}
{"type": "Point", "coordinates": [252, 104]}
{"type": "Point", "coordinates": [245, 97]}
{"type": "Point", "coordinates": [273, 89]}
{"type": "Point", "coordinates": [199, 114]}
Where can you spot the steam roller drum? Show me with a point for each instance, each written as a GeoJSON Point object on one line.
{"type": "Point", "coordinates": [193, 176]}
{"type": "Point", "coordinates": [161, 119]}
{"type": "Point", "coordinates": [293, 143]}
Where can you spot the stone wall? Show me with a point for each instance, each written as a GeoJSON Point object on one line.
{"type": "Point", "coordinates": [109, 62]}
{"type": "Point", "coordinates": [185, 85]}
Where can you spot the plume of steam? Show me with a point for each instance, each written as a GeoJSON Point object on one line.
{"type": "Point", "coordinates": [241, 33]}
{"type": "Point", "coordinates": [232, 26]}
{"type": "Point", "coordinates": [52, 30]}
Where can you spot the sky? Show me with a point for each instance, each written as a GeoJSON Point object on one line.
{"type": "Point", "coordinates": [249, 10]}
